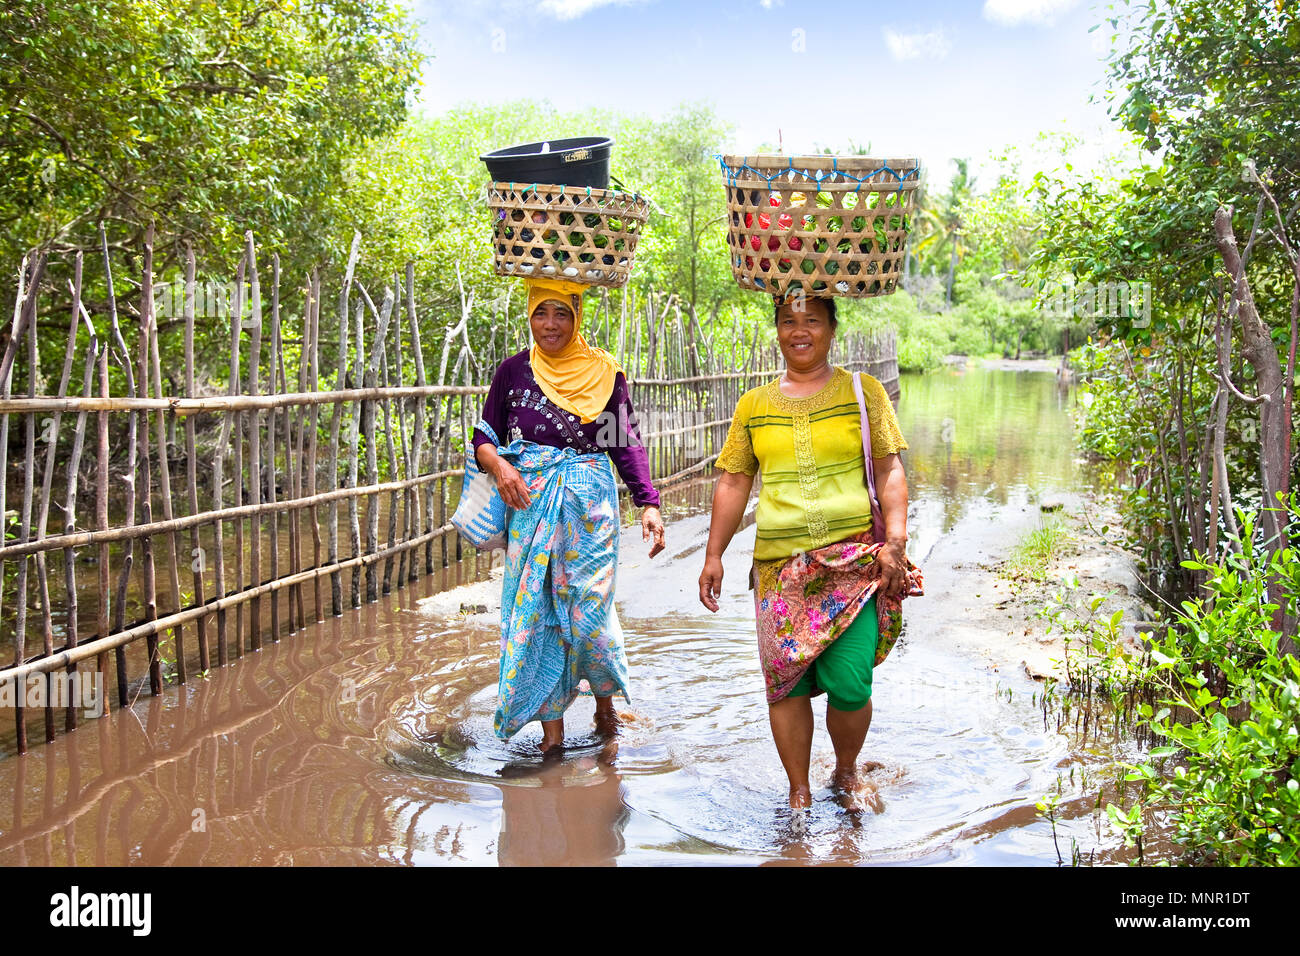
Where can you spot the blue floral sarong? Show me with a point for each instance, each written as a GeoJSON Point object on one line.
{"type": "Point", "coordinates": [558, 624]}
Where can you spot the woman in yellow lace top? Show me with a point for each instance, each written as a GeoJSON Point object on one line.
{"type": "Point", "coordinates": [827, 596]}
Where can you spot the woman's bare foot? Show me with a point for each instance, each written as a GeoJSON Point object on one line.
{"type": "Point", "coordinates": [607, 719]}
{"type": "Point", "coordinates": [552, 741]}
{"type": "Point", "coordinates": [607, 725]}
{"type": "Point", "coordinates": [800, 797]}
{"type": "Point", "coordinates": [852, 793]}
{"type": "Point", "coordinates": [844, 778]}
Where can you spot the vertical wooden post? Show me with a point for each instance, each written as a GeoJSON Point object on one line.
{"type": "Point", "coordinates": [336, 588]}
{"type": "Point", "coordinates": [413, 462]}
{"type": "Point", "coordinates": [404, 440]}
{"type": "Point", "coordinates": [165, 477]}
{"type": "Point", "coordinates": [74, 472]}
{"type": "Point", "coordinates": [236, 311]}
{"type": "Point", "coordinates": [420, 434]}
{"type": "Point", "coordinates": [28, 327]}
{"type": "Point", "coordinates": [368, 407]}
{"type": "Point", "coordinates": [271, 420]}
{"type": "Point", "coordinates": [354, 454]}
{"type": "Point", "coordinates": [197, 562]}
{"type": "Point", "coordinates": [124, 360]}
{"type": "Point", "coordinates": [6, 387]}
{"type": "Point", "coordinates": [387, 584]}
{"type": "Point", "coordinates": [294, 427]}
{"type": "Point", "coordinates": [101, 522]}
{"type": "Point", "coordinates": [146, 496]}
{"type": "Point", "coordinates": [47, 487]}
{"type": "Point", "coordinates": [254, 422]}
{"type": "Point", "coordinates": [313, 385]}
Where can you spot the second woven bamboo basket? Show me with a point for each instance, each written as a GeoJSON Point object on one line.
{"type": "Point", "coordinates": [826, 225]}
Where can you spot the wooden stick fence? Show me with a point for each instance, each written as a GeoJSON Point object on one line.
{"type": "Point", "coordinates": [381, 407]}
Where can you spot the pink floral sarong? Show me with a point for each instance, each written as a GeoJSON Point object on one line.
{"type": "Point", "coordinates": [804, 603]}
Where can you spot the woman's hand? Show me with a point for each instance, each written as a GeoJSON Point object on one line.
{"type": "Point", "coordinates": [510, 484]}
{"type": "Point", "coordinates": [891, 489]}
{"type": "Point", "coordinates": [652, 523]}
{"type": "Point", "coordinates": [711, 582]}
{"type": "Point", "coordinates": [893, 569]}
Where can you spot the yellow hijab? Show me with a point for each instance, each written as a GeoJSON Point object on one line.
{"type": "Point", "coordinates": [580, 377]}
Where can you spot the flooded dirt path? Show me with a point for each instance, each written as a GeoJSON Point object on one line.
{"type": "Point", "coordinates": [367, 739]}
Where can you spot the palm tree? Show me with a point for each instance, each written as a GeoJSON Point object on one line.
{"type": "Point", "coordinates": [943, 224]}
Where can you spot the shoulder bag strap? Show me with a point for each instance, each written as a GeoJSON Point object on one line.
{"type": "Point", "coordinates": [877, 515]}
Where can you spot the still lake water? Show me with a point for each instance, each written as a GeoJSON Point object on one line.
{"type": "Point", "coordinates": [367, 738]}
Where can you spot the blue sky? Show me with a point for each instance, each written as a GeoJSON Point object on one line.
{"type": "Point", "coordinates": [930, 78]}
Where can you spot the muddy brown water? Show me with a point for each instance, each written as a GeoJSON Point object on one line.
{"type": "Point", "coordinates": [367, 738]}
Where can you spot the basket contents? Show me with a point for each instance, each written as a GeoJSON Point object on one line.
{"type": "Point", "coordinates": [585, 235]}
{"type": "Point", "coordinates": [822, 224]}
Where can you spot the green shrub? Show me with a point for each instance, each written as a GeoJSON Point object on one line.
{"type": "Point", "coordinates": [1030, 558]}
{"type": "Point", "coordinates": [1224, 705]}
{"type": "Point", "coordinates": [1231, 714]}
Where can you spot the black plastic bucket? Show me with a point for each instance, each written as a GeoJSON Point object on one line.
{"type": "Point", "coordinates": [579, 161]}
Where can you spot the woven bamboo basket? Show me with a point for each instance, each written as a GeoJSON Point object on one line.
{"type": "Point", "coordinates": [826, 225]}
{"type": "Point", "coordinates": [575, 233]}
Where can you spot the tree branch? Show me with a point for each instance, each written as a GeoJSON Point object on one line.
{"type": "Point", "coordinates": [1254, 233]}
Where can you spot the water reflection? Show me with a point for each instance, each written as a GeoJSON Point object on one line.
{"type": "Point", "coordinates": [573, 815]}
{"type": "Point", "coordinates": [978, 436]}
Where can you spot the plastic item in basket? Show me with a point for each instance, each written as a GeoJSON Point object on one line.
{"type": "Point", "coordinates": [577, 161]}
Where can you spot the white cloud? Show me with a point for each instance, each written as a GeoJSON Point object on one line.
{"type": "Point", "coordinates": [769, 4]}
{"type": "Point", "coordinates": [1009, 13]}
{"type": "Point", "coordinates": [572, 9]}
{"type": "Point", "coordinates": [909, 46]}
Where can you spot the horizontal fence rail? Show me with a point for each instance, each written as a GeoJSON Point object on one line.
{"type": "Point", "coordinates": [197, 525]}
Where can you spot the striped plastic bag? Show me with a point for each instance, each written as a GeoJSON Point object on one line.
{"type": "Point", "coordinates": [481, 513]}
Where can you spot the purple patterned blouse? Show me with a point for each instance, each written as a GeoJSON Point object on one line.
{"type": "Point", "coordinates": [515, 407]}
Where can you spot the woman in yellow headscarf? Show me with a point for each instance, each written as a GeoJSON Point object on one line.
{"type": "Point", "coordinates": [554, 417]}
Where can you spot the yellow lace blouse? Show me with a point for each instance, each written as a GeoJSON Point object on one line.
{"type": "Point", "coordinates": [809, 453]}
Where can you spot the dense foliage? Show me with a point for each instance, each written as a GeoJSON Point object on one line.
{"type": "Point", "coordinates": [1213, 87]}
{"type": "Point", "coordinates": [1196, 400]}
{"type": "Point", "coordinates": [209, 117]}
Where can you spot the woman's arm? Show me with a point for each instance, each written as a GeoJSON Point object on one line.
{"type": "Point", "coordinates": [729, 498]}
{"type": "Point", "coordinates": [630, 459]}
{"type": "Point", "coordinates": [891, 489]}
{"type": "Point", "coordinates": [510, 484]}
{"type": "Point", "coordinates": [891, 484]}
{"type": "Point", "coordinates": [619, 436]}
